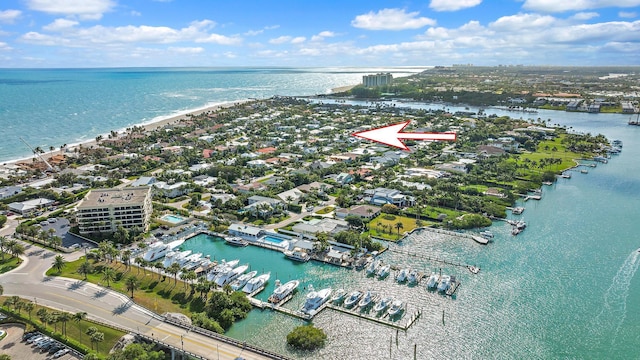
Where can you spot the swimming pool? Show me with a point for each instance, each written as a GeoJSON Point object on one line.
{"type": "Point", "coordinates": [275, 241]}
{"type": "Point", "coordinates": [173, 219]}
{"type": "Point", "coordinates": [272, 239]}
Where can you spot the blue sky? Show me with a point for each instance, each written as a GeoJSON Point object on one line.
{"type": "Point", "coordinates": [112, 33]}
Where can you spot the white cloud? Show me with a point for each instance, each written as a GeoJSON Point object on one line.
{"type": "Point", "coordinates": [298, 40]}
{"type": "Point", "coordinates": [186, 50]}
{"type": "Point", "coordinates": [627, 14]}
{"type": "Point", "coordinates": [9, 16]}
{"type": "Point", "coordinates": [322, 35]}
{"type": "Point", "coordinates": [280, 40]}
{"type": "Point", "coordinates": [85, 9]}
{"type": "Point", "coordinates": [135, 13]}
{"type": "Point", "coordinates": [60, 25]}
{"type": "Point", "coordinates": [522, 21]}
{"type": "Point", "coordinates": [452, 5]}
{"type": "Point", "coordinates": [585, 15]}
{"type": "Point", "coordinates": [254, 32]}
{"type": "Point", "coordinates": [576, 5]}
{"type": "Point", "coordinates": [5, 47]}
{"type": "Point", "coordinates": [391, 19]}
{"type": "Point", "coordinates": [197, 31]}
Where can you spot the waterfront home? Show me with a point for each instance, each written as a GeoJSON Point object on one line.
{"type": "Point", "coordinates": [246, 232]}
{"type": "Point", "coordinates": [381, 196]}
{"type": "Point", "coordinates": [330, 226]}
{"type": "Point", "coordinates": [367, 212]}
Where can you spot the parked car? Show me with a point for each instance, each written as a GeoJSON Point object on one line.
{"type": "Point", "coordinates": [35, 338]}
{"type": "Point", "coordinates": [47, 346]}
{"type": "Point", "coordinates": [52, 220]}
{"type": "Point", "coordinates": [55, 348]}
{"type": "Point", "coordinates": [61, 353]}
{"type": "Point", "coordinates": [30, 334]}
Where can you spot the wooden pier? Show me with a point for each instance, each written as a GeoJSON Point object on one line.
{"type": "Point", "coordinates": [380, 320]}
{"type": "Point", "coordinates": [430, 258]}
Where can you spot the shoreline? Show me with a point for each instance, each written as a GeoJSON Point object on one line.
{"type": "Point", "coordinates": [149, 126]}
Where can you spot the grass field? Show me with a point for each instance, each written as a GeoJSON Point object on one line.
{"type": "Point", "coordinates": [545, 150]}
{"type": "Point", "coordinates": [386, 228]}
{"type": "Point", "coordinates": [9, 263]}
{"type": "Point", "coordinates": [325, 210]}
{"type": "Point", "coordinates": [75, 330]}
{"type": "Point", "coordinates": [156, 292]}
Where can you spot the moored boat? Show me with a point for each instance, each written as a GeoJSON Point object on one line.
{"type": "Point", "coordinates": [432, 282]}
{"type": "Point", "coordinates": [297, 254]}
{"type": "Point", "coordinates": [236, 241]}
{"type": "Point", "coordinates": [227, 277]}
{"type": "Point", "coordinates": [395, 308]}
{"type": "Point", "coordinates": [383, 304]}
{"type": "Point", "coordinates": [242, 280]}
{"type": "Point", "coordinates": [384, 271]}
{"type": "Point", "coordinates": [402, 275]}
{"type": "Point", "coordinates": [339, 295]}
{"type": "Point", "coordinates": [315, 299]}
{"type": "Point", "coordinates": [353, 298]}
{"type": "Point", "coordinates": [283, 291]}
{"type": "Point", "coordinates": [412, 278]}
{"type": "Point", "coordinates": [256, 283]}
{"type": "Point", "coordinates": [366, 299]}
{"type": "Point", "coordinates": [445, 282]}
{"type": "Point", "coordinates": [373, 266]}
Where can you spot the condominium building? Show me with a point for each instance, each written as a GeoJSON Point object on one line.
{"type": "Point", "coordinates": [104, 210]}
{"type": "Point", "coordinates": [377, 79]}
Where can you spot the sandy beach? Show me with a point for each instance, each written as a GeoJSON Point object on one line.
{"type": "Point", "coordinates": [343, 88]}
{"type": "Point", "coordinates": [148, 127]}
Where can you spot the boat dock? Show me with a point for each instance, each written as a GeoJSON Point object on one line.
{"type": "Point", "coordinates": [430, 258]}
{"type": "Point", "coordinates": [381, 319]}
{"type": "Point", "coordinates": [479, 240]}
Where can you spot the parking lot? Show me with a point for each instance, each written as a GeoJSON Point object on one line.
{"type": "Point", "coordinates": [13, 346]}
{"type": "Point", "coordinates": [61, 228]}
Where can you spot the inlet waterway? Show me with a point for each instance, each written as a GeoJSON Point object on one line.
{"type": "Point", "coordinates": [564, 288]}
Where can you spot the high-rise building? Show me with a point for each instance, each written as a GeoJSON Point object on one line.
{"type": "Point", "coordinates": [377, 79]}
{"type": "Point", "coordinates": [104, 210]}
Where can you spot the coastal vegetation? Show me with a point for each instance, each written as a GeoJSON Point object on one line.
{"type": "Point", "coordinates": [306, 337]}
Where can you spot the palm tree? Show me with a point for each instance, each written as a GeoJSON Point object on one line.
{"type": "Point", "coordinates": [15, 248]}
{"type": "Point", "coordinates": [160, 268]}
{"type": "Point", "coordinates": [108, 275]}
{"type": "Point", "coordinates": [85, 268]}
{"type": "Point", "coordinates": [54, 318]}
{"type": "Point", "coordinates": [189, 276]}
{"type": "Point", "coordinates": [59, 263]}
{"type": "Point", "coordinates": [126, 257]}
{"type": "Point", "coordinates": [227, 289]}
{"type": "Point", "coordinates": [399, 226]}
{"type": "Point", "coordinates": [77, 318]}
{"type": "Point", "coordinates": [29, 306]}
{"type": "Point", "coordinates": [174, 269]}
{"type": "Point", "coordinates": [19, 305]}
{"type": "Point", "coordinates": [64, 318]}
{"type": "Point", "coordinates": [138, 262]}
{"type": "Point", "coordinates": [97, 337]}
{"type": "Point", "coordinates": [43, 315]}
{"type": "Point", "coordinates": [1, 290]}
{"type": "Point", "coordinates": [14, 301]}
{"type": "Point", "coordinates": [3, 246]}
{"type": "Point", "coordinates": [90, 331]}
{"type": "Point", "coordinates": [132, 283]}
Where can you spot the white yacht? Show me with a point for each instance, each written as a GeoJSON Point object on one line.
{"type": "Point", "coordinates": [366, 299]}
{"type": "Point", "coordinates": [412, 278]}
{"type": "Point", "coordinates": [168, 258]}
{"type": "Point", "coordinates": [384, 271]}
{"type": "Point", "coordinates": [315, 299]}
{"type": "Point", "coordinates": [236, 241]}
{"type": "Point", "coordinates": [445, 282]}
{"type": "Point", "coordinates": [182, 260]}
{"type": "Point", "coordinates": [223, 266]}
{"type": "Point", "coordinates": [353, 298]}
{"type": "Point", "coordinates": [283, 291]}
{"type": "Point", "coordinates": [227, 277]}
{"type": "Point", "coordinates": [339, 295]}
{"type": "Point", "coordinates": [193, 261]}
{"type": "Point", "coordinates": [242, 280]}
{"type": "Point", "coordinates": [256, 283]}
{"type": "Point", "coordinates": [383, 304]}
{"type": "Point", "coordinates": [402, 275]}
{"type": "Point", "coordinates": [159, 249]}
{"type": "Point", "coordinates": [373, 267]}
{"type": "Point", "coordinates": [395, 308]}
{"type": "Point", "coordinates": [432, 282]}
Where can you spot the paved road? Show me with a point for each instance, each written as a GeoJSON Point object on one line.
{"type": "Point", "coordinates": [29, 281]}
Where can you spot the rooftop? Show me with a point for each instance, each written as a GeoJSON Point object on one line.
{"type": "Point", "coordinates": [110, 197]}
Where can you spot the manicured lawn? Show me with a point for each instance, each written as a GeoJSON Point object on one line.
{"type": "Point", "coordinates": [386, 228]}
{"type": "Point", "coordinates": [75, 330]}
{"type": "Point", "coordinates": [155, 292]}
{"type": "Point", "coordinates": [9, 263]}
{"type": "Point", "coordinates": [325, 210]}
{"type": "Point", "coordinates": [545, 150]}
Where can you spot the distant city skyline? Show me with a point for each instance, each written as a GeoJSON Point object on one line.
{"type": "Point", "coordinates": [141, 33]}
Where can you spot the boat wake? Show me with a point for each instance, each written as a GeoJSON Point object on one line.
{"type": "Point", "coordinates": [615, 298]}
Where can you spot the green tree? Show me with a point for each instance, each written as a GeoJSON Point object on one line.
{"type": "Point", "coordinates": [389, 209]}
{"type": "Point", "coordinates": [5, 357]}
{"type": "Point", "coordinates": [399, 226]}
{"type": "Point", "coordinates": [59, 263]}
{"type": "Point", "coordinates": [108, 275]}
{"type": "Point", "coordinates": [85, 269]}
{"type": "Point", "coordinates": [78, 318]}
{"type": "Point", "coordinates": [64, 319]}
{"type": "Point", "coordinates": [4, 245]}
{"type": "Point", "coordinates": [28, 307]}
{"type": "Point", "coordinates": [306, 337]}
{"type": "Point", "coordinates": [96, 338]}
{"type": "Point", "coordinates": [132, 283]}
{"type": "Point", "coordinates": [136, 351]}
{"type": "Point", "coordinates": [174, 269]}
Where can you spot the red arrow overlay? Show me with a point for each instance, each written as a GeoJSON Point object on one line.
{"type": "Point", "coordinates": [391, 135]}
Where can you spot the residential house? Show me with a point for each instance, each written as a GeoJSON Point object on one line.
{"type": "Point", "coordinates": [257, 163]}
{"type": "Point", "coordinates": [261, 206]}
{"type": "Point", "coordinates": [9, 191]}
{"type": "Point", "coordinates": [382, 196]}
{"type": "Point", "coordinates": [342, 178]}
{"type": "Point", "coordinates": [143, 181]}
{"type": "Point", "coordinates": [246, 232]}
{"type": "Point", "coordinates": [291, 196]}
{"type": "Point", "coordinates": [366, 212]}
{"type": "Point", "coordinates": [311, 228]}
{"type": "Point", "coordinates": [321, 188]}
{"type": "Point", "coordinates": [171, 190]}
{"type": "Point", "coordinates": [30, 206]}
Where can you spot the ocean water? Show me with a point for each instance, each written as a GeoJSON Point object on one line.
{"type": "Point", "coordinates": [52, 107]}
{"type": "Point", "coordinates": [567, 287]}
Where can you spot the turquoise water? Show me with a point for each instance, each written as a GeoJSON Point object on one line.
{"type": "Point", "coordinates": [52, 107]}
{"type": "Point", "coordinates": [174, 219]}
{"type": "Point", "coordinates": [564, 288]}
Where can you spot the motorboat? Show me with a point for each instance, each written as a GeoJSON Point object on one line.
{"type": "Point", "coordinates": [384, 271]}
{"type": "Point", "coordinates": [283, 291]}
{"type": "Point", "coordinates": [366, 300]}
{"type": "Point", "coordinates": [445, 282]}
{"type": "Point", "coordinates": [297, 254]}
{"type": "Point", "coordinates": [236, 241]}
{"type": "Point", "coordinates": [155, 251]}
{"type": "Point", "coordinates": [168, 258]}
{"type": "Point", "coordinates": [395, 308]}
{"type": "Point", "coordinates": [179, 257]}
{"type": "Point", "coordinates": [412, 278]}
{"type": "Point", "coordinates": [227, 277]}
{"type": "Point", "coordinates": [402, 275]}
{"type": "Point", "coordinates": [383, 304]}
{"type": "Point", "coordinates": [488, 234]}
{"type": "Point", "coordinates": [222, 266]}
{"type": "Point", "coordinates": [193, 261]}
{"type": "Point", "coordinates": [432, 282]}
{"type": "Point", "coordinates": [475, 269]}
{"type": "Point", "coordinates": [339, 295]}
{"type": "Point", "coordinates": [315, 299]}
{"type": "Point", "coordinates": [373, 267]}
{"type": "Point", "coordinates": [256, 283]}
{"type": "Point", "coordinates": [182, 260]}
{"type": "Point", "coordinates": [242, 280]}
{"type": "Point", "coordinates": [353, 298]}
